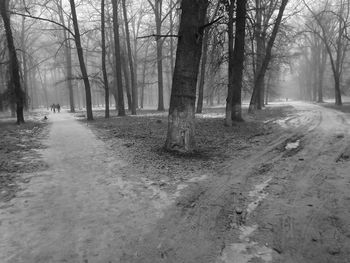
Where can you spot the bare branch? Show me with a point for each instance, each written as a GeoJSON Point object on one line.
{"type": "Point", "coordinates": [44, 19]}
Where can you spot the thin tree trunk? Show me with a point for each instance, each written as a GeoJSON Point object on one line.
{"type": "Point", "coordinates": [15, 84]}
{"type": "Point", "coordinates": [24, 64]}
{"type": "Point", "coordinates": [181, 130]}
{"type": "Point", "coordinates": [81, 61]}
{"type": "Point", "coordinates": [104, 70]}
{"type": "Point", "coordinates": [204, 63]}
{"type": "Point", "coordinates": [158, 19]}
{"type": "Point", "coordinates": [228, 116]}
{"type": "Point", "coordinates": [144, 77]}
{"type": "Point", "coordinates": [260, 50]}
{"type": "Point", "coordinates": [131, 63]}
{"type": "Point", "coordinates": [121, 109]}
{"type": "Point", "coordinates": [127, 80]}
{"type": "Point", "coordinates": [171, 18]}
{"type": "Point", "coordinates": [68, 57]}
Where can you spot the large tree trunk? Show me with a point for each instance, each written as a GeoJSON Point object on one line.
{"type": "Point", "coordinates": [103, 59]}
{"type": "Point", "coordinates": [338, 100]}
{"type": "Point", "coordinates": [259, 81]}
{"type": "Point", "coordinates": [131, 63]}
{"type": "Point", "coordinates": [121, 109]}
{"type": "Point", "coordinates": [181, 130]}
{"type": "Point", "coordinates": [238, 59]}
{"type": "Point", "coordinates": [81, 61]}
{"type": "Point", "coordinates": [15, 84]}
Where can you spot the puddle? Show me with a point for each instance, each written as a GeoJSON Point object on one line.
{"type": "Point", "coordinates": [292, 145]}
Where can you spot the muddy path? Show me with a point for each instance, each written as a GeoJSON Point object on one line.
{"type": "Point", "coordinates": [288, 203]}
{"type": "Point", "coordinates": [85, 208]}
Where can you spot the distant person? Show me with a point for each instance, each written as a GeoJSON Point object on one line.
{"type": "Point", "coordinates": [58, 106]}
{"type": "Point", "coordinates": [52, 107]}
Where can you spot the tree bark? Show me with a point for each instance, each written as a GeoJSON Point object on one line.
{"type": "Point", "coordinates": [144, 77]}
{"type": "Point", "coordinates": [68, 57]}
{"type": "Point", "coordinates": [321, 70]}
{"type": "Point", "coordinates": [202, 71]}
{"type": "Point", "coordinates": [121, 109]}
{"type": "Point", "coordinates": [259, 81]}
{"type": "Point", "coordinates": [157, 8]}
{"type": "Point", "coordinates": [126, 78]}
{"type": "Point", "coordinates": [103, 59]}
{"type": "Point", "coordinates": [203, 63]}
{"type": "Point", "coordinates": [81, 61]}
{"type": "Point", "coordinates": [181, 130]}
{"type": "Point", "coordinates": [228, 119]}
{"type": "Point", "coordinates": [338, 99]}
{"type": "Point", "coordinates": [24, 64]}
{"type": "Point", "coordinates": [15, 84]}
{"type": "Point", "coordinates": [238, 59]}
{"type": "Point", "coordinates": [160, 68]}
{"type": "Point", "coordinates": [131, 63]}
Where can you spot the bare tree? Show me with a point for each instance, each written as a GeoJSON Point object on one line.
{"type": "Point", "coordinates": [333, 22]}
{"type": "Point", "coordinates": [259, 80]}
{"type": "Point", "coordinates": [81, 61]}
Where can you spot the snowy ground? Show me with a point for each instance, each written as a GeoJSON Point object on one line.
{"type": "Point", "coordinates": [276, 191]}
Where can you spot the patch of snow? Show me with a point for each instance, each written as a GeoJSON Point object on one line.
{"type": "Point", "coordinates": [245, 251]}
{"type": "Point", "coordinates": [258, 194]}
{"type": "Point", "coordinates": [292, 145]}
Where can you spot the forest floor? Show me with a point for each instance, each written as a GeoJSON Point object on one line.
{"type": "Point", "coordinates": [274, 188]}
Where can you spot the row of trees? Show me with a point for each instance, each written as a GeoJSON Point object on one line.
{"type": "Point", "coordinates": [323, 46]}
{"type": "Point", "coordinates": [124, 46]}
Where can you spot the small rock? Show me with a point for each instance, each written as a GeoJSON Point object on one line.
{"type": "Point", "coordinates": [239, 210]}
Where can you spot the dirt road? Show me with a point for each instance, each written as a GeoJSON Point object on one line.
{"type": "Point", "coordinates": [287, 203]}
{"type": "Point", "coordinates": [85, 208]}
